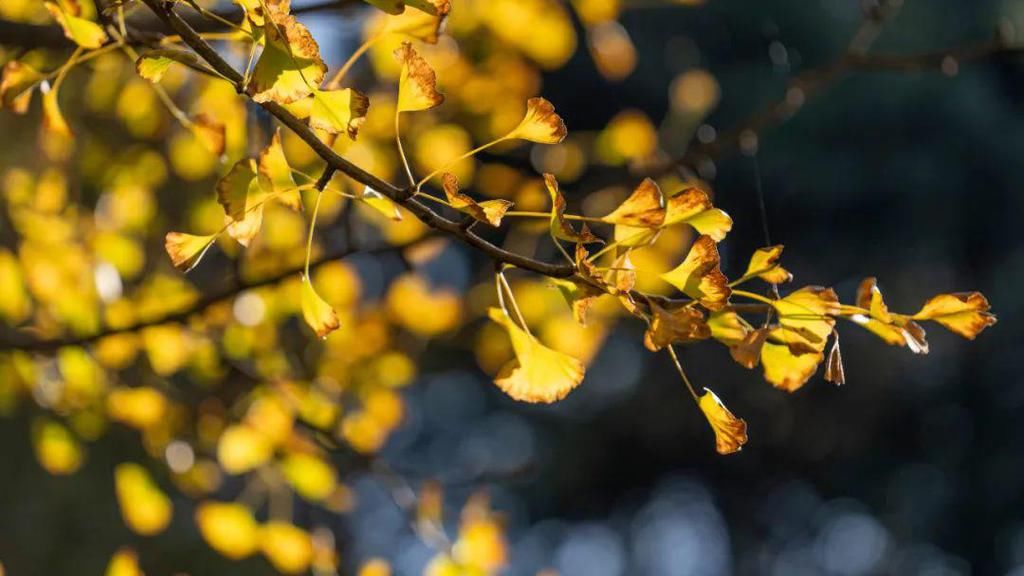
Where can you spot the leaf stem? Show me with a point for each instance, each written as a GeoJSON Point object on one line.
{"type": "Point", "coordinates": [753, 296]}
{"type": "Point", "coordinates": [679, 368]}
{"type": "Point", "coordinates": [401, 151]}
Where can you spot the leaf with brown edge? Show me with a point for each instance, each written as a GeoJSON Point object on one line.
{"type": "Point", "coordinates": [537, 373]}
{"type": "Point", "coordinates": [785, 369]}
{"type": "Point", "coordinates": [154, 64]}
{"type": "Point", "coordinates": [243, 199]}
{"type": "Point", "coordinates": [210, 132]}
{"type": "Point", "coordinates": [339, 111]}
{"type": "Point", "coordinates": [578, 295]}
{"type": "Point", "coordinates": [540, 124]}
{"type": "Point", "coordinates": [275, 173]}
{"type": "Point", "coordinates": [318, 314]}
{"type": "Point", "coordinates": [53, 118]}
{"type": "Point", "coordinates": [765, 265]}
{"type": "Point", "coordinates": [256, 10]}
{"type": "Point", "coordinates": [186, 250]}
{"type": "Point", "coordinates": [700, 277]}
{"type": "Point", "coordinates": [834, 371]}
{"type": "Point", "coordinates": [290, 67]}
{"type": "Point", "coordinates": [869, 296]}
{"type": "Point", "coordinates": [963, 313]}
{"type": "Point", "coordinates": [645, 207]}
{"type": "Point", "coordinates": [489, 211]}
{"type": "Point", "coordinates": [730, 431]}
{"type": "Point", "coordinates": [85, 33]}
{"type": "Point", "coordinates": [692, 206]}
{"type": "Point", "coordinates": [560, 227]}
{"type": "Point", "coordinates": [747, 352]}
{"type": "Point", "coordinates": [16, 87]}
{"type": "Point", "coordinates": [417, 83]}
{"type": "Point", "coordinates": [728, 327]}
{"type": "Point", "coordinates": [808, 315]}
{"type": "Point", "coordinates": [894, 329]}
{"type": "Point", "coordinates": [674, 324]}
{"type": "Point", "coordinates": [621, 275]}
{"type": "Point", "coordinates": [425, 24]}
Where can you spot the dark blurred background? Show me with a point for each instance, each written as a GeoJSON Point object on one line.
{"type": "Point", "coordinates": [912, 467]}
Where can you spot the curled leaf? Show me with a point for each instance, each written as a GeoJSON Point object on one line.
{"type": "Point", "coordinates": [417, 84]}
{"type": "Point", "coordinates": [700, 277]}
{"type": "Point", "coordinates": [240, 194]}
{"type": "Point", "coordinates": [85, 33]}
{"type": "Point", "coordinates": [17, 84]}
{"type": "Point", "coordinates": [894, 329]}
{"type": "Point", "coordinates": [728, 327]}
{"type": "Point", "coordinates": [53, 118]}
{"type": "Point", "coordinates": [808, 316]}
{"type": "Point", "coordinates": [537, 373]}
{"type": "Point", "coordinates": [290, 66]}
{"type": "Point", "coordinates": [765, 265]}
{"type": "Point", "coordinates": [675, 324]}
{"type": "Point", "coordinates": [560, 227]}
{"type": "Point", "coordinates": [964, 313]}
{"type": "Point", "coordinates": [579, 295]}
{"type": "Point", "coordinates": [186, 250]}
{"type": "Point", "coordinates": [730, 431]}
{"type": "Point", "coordinates": [693, 206]}
{"type": "Point", "coordinates": [339, 111]}
{"type": "Point", "coordinates": [489, 211]}
{"type": "Point", "coordinates": [834, 371]}
{"type": "Point", "coordinates": [540, 124]}
{"type": "Point", "coordinates": [317, 313]}
{"type": "Point", "coordinates": [645, 207]}
{"type": "Point", "coordinates": [747, 352]}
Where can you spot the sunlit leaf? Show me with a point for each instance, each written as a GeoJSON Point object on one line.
{"type": "Point", "coordinates": [310, 476]}
{"type": "Point", "coordinates": [153, 64]}
{"type": "Point", "coordinates": [380, 203]}
{"type": "Point", "coordinates": [242, 448]}
{"type": "Point", "coordinates": [540, 124]}
{"type": "Point", "coordinates": [228, 528]}
{"type": "Point", "coordinates": [425, 24]}
{"type": "Point", "coordinates": [747, 352]}
{"type": "Point", "coordinates": [140, 407]}
{"type": "Point", "coordinates": [964, 313]}
{"type": "Point", "coordinates": [488, 211]}
{"type": "Point", "coordinates": [339, 111]}
{"type": "Point", "coordinates": [318, 314]}
{"type": "Point", "coordinates": [674, 324]}
{"type": "Point", "coordinates": [730, 431]}
{"type": "Point", "coordinates": [186, 250]}
{"type": "Point", "coordinates": [286, 546]}
{"type": "Point", "coordinates": [85, 33]}
{"type": "Point", "coordinates": [699, 275]}
{"type": "Point", "coordinates": [808, 316]}
{"type": "Point", "coordinates": [784, 368]}
{"type": "Point", "coordinates": [894, 329]}
{"type": "Point", "coordinates": [645, 207]}
{"type": "Point", "coordinates": [290, 67]}
{"type": "Point", "coordinates": [389, 6]}
{"type": "Point", "coordinates": [16, 86]}
{"type": "Point", "coordinates": [560, 227]}
{"type": "Point", "coordinates": [538, 373]}
{"type": "Point", "coordinates": [243, 199]}
{"type": "Point", "coordinates": [692, 206]}
{"type": "Point", "coordinates": [765, 265]}
{"type": "Point", "coordinates": [417, 84]}
{"type": "Point", "coordinates": [144, 507]}
{"type": "Point", "coordinates": [53, 118]}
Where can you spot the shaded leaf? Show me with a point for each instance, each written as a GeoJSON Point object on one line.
{"type": "Point", "coordinates": [276, 174]}
{"type": "Point", "coordinates": [317, 313]}
{"type": "Point", "coordinates": [186, 250]}
{"type": "Point", "coordinates": [17, 84]}
{"type": "Point", "coordinates": [834, 371]}
{"type": "Point", "coordinates": [675, 324]}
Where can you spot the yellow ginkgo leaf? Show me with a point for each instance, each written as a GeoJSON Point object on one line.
{"type": "Point", "coordinates": [964, 313]}
{"type": "Point", "coordinates": [894, 329]}
{"type": "Point", "coordinates": [807, 316]}
{"type": "Point", "coordinates": [256, 10]}
{"type": "Point", "coordinates": [17, 84]}
{"type": "Point", "coordinates": [425, 24]}
{"type": "Point", "coordinates": [339, 111]}
{"type": "Point", "coordinates": [747, 352]}
{"type": "Point", "coordinates": [540, 124]}
{"type": "Point", "coordinates": [310, 476]}
{"type": "Point", "coordinates": [693, 206]}
{"type": "Point", "coordinates": [380, 203]}
{"type": "Point", "coordinates": [645, 207]}
{"type": "Point", "coordinates": [417, 84]}
{"type": "Point", "coordinates": [579, 295]}
{"type": "Point", "coordinates": [85, 33]}
{"type": "Point", "coordinates": [784, 368]}
{"type": "Point", "coordinates": [290, 67]}
{"type": "Point", "coordinates": [243, 198]}
{"type": "Point", "coordinates": [275, 173]}
{"type": "Point", "coordinates": [53, 118]}
{"type": "Point", "coordinates": [287, 547]}
{"type": "Point", "coordinates": [124, 562]}
{"type": "Point", "coordinates": [730, 431]}
{"type": "Point", "coordinates": [210, 132]}
{"type": "Point", "coordinates": [317, 313]}
{"type": "Point", "coordinates": [242, 448]}
{"type": "Point", "coordinates": [765, 265]}
{"type": "Point", "coordinates": [538, 373]}
{"type": "Point", "coordinates": [700, 277]}
{"type": "Point", "coordinates": [144, 507]}
{"type": "Point", "coordinates": [674, 324]}
{"type": "Point", "coordinates": [489, 211]}
{"type": "Point", "coordinates": [57, 450]}
{"type": "Point", "coordinates": [560, 227]}
{"type": "Point", "coordinates": [186, 250]}
{"type": "Point", "coordinates": [728, 327]}
{"type": "Point", "coordinates": [154, 64]}
{"type": "Point", "coordinates": [228, 528]}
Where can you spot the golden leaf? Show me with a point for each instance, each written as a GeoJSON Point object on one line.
{"type": "Point", "coordinates": [560, 228]}
{"type": "Point", "coordinates": [17, 84]}
{"type": "Point", "coordinates": [276, 174]}
{"type": "Point", "coordinates": [186, 250]}
{"type": "Point", "coordinates": [339, 111]}
{"type": "Point", "coordinates": [692, 206]}
{"type": "Point", "coordinates": [894, 329]}
{"type": "Point", "coordinates": [144, 507]}
{"type": "Point", "coordinates": [834, 371]}
{"type": "Point", "coordinates": [538, 373]}
{"type": "Point", "coordinates": [765, 265]}
{"type": "Point", "coordinates": [210, 132]}
{"type": "Point", "coordinates": [425, 24]}
{"type": "Point", "coordinates": [645, 208]}
{"type": "Point", "coordinates": [140, 407]}
{"type": "Point", "coordinates": [540, 124]}
{"type": "Point", "coordinates": [730, 431]}
{"type": "Point", "coordinates": [154, 64]}
{"type": "Point", "coordinates": [380, 203]}
{"type": "Point", "coordinates": [310, 476]}
{"type": "Point", "coordinates": [964, 313]}
{"type": "Point", "coordinates": [85, 33]}
{"type": "Point", "coordinates": [317, 313]}
{"type": "Point", "coordinates": [256, 10]}
{"type": "Point", "coordinates": [290, 66]}
{"type": "Point", "coordinates": [228, 528]}
{"type": "Point", "coordinates": [621, 275]}
{"type": "Point", "coordinates": [417, 84]}
{"type": "Point", "coordinates": [287, 547]}
{"type": "Point", "coordinates": [747, 352]}
{"type": "Point", "coordinates": [579, 295]}
{"type": "Point", "coordinates": [489, 211]}
{"type": "Point", "coordinates": [53, 118]}
{"type": "Point", "coordinates": [728, 327]}
{"type": "Point", "coordinates": [700, 277]}
{"type": "Point", "coordinates": [675, 324]}
{"type": "Point", "coordinates": [784, 368]}
{"type": "Point", "coordinates": [808, 316]}
{"type": "Point", "coordinates": [240, 194]}
{"type": "Point", "coordinates": [242, 448]}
